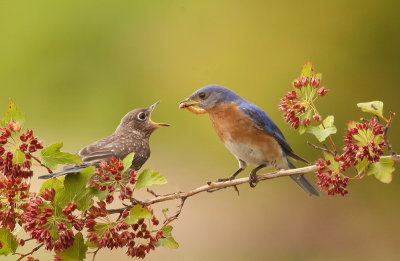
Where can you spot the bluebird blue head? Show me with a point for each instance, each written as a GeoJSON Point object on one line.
{"type": "Point", "coordinates": [211, 95]}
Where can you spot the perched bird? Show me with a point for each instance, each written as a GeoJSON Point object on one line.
{"type": "Point", "coordinates": [131, 135]}
{"type": "Point", "coordinates": [247, 131]}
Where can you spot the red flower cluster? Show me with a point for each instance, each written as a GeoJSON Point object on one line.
{"type": "Point", "coordinates": [27, 145]}
{"type": "Point", "coordinates": [44, 224]}
{"type": "Point", "coordinates": [296, 104]}
{"type": "Point", "coordinates": [293, 109]}
{"type": "Point", "coordinates": [364, 141]}
{"type": "Point", "coordinates": [109, 176]}
{"type": "Point", "coordinates": [332, 183]}
{"type": "Point", "coordinates": [14, 171]}
{"type": "Point", "coordinates": [139, 238]}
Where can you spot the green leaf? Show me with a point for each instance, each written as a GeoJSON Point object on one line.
{"type": "Point", "coordinates": [328, 122]}
{"type": "Point", "coordinates": [361, 165]}
{"type": "Point", "coordinates": [77, 252]}
{"type": "Point", "coordinates": [320, 133]}
{"type": "Point", "coordinates": [148, 178]}
{"type": "Point", "coordinates": [302, 129]}
{"type": "Point", "coordinates": [137, 212]}
{"type": "Point", "coordinates": [51, 156]}
{"type": "Point", "coordinates": [307, 69]}
{"type": "Point", "coordinates": [334, 164]}
{"type": "Point", "coordinates": [101, 195]}
{"type": "Point", "coordinates": [84, 200]}
{"type": "Point", "coordinates": [8, 242]}
{"type": "Point", "coordinates": [17, 229]}
{"type": "Point", "coordinates": [382, 170]}
{"type": "Point", "coordinates": [56, 184]}
{"type": "Point", "coordinates": [19, 157]}
{"type": "Point", "coordinates": [128, 161]}
{"type": "Point", "coordinates": [90, 244]}
{"type": "Point", "coordinates": [12, 114]}
{"type": "Point", "coordinates": [168, 240]}
{"type": "Point", "coordinates": [374, 107]}
{"type": "Point", "coordinates": [74, 188]}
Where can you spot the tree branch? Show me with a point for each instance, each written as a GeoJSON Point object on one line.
{"type": "Point", "coordinates": [214, 186]}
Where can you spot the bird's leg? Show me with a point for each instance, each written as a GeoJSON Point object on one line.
{"type": "Point", "coordinates": [253, 175]}
{"type": "Point", "coordinates": [242, 166]}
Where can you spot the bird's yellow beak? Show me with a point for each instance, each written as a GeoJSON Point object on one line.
{"type": "Point", "coordinates": [188, 103]}
{"type": "Point", "coordinates": [155, 124]}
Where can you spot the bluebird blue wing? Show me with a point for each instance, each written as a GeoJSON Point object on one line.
{"type": "Point", "coordinates": [266, 123]}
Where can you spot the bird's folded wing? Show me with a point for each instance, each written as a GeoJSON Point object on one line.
{"type": "Point", "coordinates": [266, 123]}
{"type": "Point", "coordinates": [93, 156]}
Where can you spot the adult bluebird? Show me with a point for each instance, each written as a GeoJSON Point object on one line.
{"type": "Point", "coordinates": [247, 131]}
{"type": "Point", "coordinates": [131, 135]}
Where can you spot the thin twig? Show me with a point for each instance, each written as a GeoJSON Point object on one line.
{"type": "Point", "coordinates": [94, 253]}
{"type": "Point", "coordinates": [41, 164]}
{"type": "Point", "coordinates": [386, 130]}
{"type": "Point", "coordinates": [320, 148]}
{"type": "Point", "coordinates": [22, 256]}
{"type": "Point", "coordinates": [152, 192]}
{"type": "Point", "coordinates": [178, 212]}
{"type": "Point", "coordinates": [230, 183]}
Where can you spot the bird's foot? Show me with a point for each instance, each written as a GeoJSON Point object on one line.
{"type": "Point", "coordinates": [253, 180]}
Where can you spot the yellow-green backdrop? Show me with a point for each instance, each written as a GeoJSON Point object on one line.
{"type": "Point", "coordinates": [76, 67]}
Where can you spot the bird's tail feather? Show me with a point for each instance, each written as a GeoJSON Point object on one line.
{"type": "Point", "coordinates": [303, 182]}
{"type": "Point", "coordinates": [64, 172]}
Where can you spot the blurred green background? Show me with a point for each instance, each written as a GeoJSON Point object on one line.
{"type": "Point", "coordinates": [76, 67]}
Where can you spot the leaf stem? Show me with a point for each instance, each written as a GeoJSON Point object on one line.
{"type": "Point", "coordinates": [41, 164]}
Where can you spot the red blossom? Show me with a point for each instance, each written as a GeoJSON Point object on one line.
{"type": "Point", "coordinates": [329, 181]}
{"type": "Point", "coordinates": [139, 238]}
{"type": "Point", "coordinates": [322, 91]}
{"type": "Point", "coordinates": [368, 145]}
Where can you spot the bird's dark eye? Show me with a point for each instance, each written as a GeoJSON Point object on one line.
{"type": "Point", "coordinates": [142, 116]}
{"type": "Point", "coordinates": [202, 95]}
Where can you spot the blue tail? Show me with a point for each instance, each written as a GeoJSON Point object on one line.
{"type": "Point", "coordinates": [303, 182]}
{"type": "Point", "coordinates": [64, 172]}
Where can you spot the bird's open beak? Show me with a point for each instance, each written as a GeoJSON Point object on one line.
{"type": "Point", "coordinates": [188, 103]}
{"type": "Point", "coordinates": [155, 124]}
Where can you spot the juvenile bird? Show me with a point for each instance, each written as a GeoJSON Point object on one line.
{"type": "Point", "coordinates": [247, 131]}
{"type": "Point", "coordinates": [131, 135]}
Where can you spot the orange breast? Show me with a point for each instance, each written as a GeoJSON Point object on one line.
{"type": "Point", "coordinates": [233, 126]}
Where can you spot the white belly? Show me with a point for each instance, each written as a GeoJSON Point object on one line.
{"type": "Point", "coordinates": [255, 156]}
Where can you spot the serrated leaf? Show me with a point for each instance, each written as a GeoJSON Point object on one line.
{"type": "Point", "coordinates": [12, 114]}
{"type": "Point", "coordinates": [74, 187]}
{"type": "Point", "coordinates": [52, 156]}
{"type": "Point", "coordinates": [56, 184]}
{"type": "Point", "coordinates": [328, 122]}
{"type": "Point", "coordinates": [148, 178]}
{"type": "Point", "coordinates": [168, 240]}
{"type": "Point", "coordinates": [84, 200]}
{"type": "Point", "coordinates": [137, 212]}
{"type": "Point", "coordinates": [77, 252]}
{"type": "Point", "coordinates": [307, 69]}
{"type": "Point", "coordinates": [8, 242]}
{"type": "Point", "coordinates": [320, 133]}
{"type": "Point", "coordinates": [101, 195]}
{"type": "Point", "coordinates": [374, 107]}
{"type": "Point", "coordinates": [382, 170]}
{"type": "Point", "coordinates": [128, 161]}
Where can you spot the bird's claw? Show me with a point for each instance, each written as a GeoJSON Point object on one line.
{"type": "Point", "coordinates": [253, 181]}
